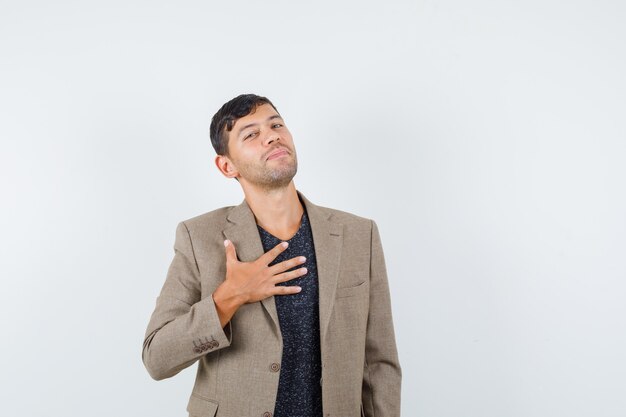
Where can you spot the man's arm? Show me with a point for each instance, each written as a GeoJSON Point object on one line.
{"type": "Point", "coordinates": [182, 327]}
{"type": "Point", "coordinates": [381, 374]}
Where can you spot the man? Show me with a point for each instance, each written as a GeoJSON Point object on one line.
{"type": "Point", "coordinates": [284, 303]}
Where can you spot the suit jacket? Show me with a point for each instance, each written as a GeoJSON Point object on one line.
{"type": "Point", "coordinates": [237, 375]}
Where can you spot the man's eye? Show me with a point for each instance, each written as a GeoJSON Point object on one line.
{"type": "Point", "coordinates": [278, 125]}
{"type": "Point", "coordinates": [250, 135]}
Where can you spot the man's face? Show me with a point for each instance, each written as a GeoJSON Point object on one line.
{"type": "Point", "coordinates": [252, 144]}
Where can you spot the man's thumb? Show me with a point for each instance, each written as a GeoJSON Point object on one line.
{"type": "Point", "coordinates": [231, 254]}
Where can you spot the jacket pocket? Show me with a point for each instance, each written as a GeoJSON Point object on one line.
{"type": "Point", "coordinates": [201, 407]}
{"type": "Point", "coordinates": [350, 291]}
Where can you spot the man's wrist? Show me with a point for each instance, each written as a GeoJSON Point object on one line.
{"type": "Point", "coordinates": [226, 299]}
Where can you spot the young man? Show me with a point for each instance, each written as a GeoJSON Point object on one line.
{"type": "Point", "coordinates": [284, 303]}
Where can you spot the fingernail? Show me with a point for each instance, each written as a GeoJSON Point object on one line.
{"type": "Point", "coordinates": [285, 244]}
{"type": "Point", "coordinates": [226, 242]}
{"type": "Point", "coordinates": [298, 289]}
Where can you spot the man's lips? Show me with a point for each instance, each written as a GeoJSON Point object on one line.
{"type": "Point", "coordinates": [277, 153]}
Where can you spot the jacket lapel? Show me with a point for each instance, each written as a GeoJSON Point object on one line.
{"type": "Point", "coordinates": [327, 240]}
{"type": "Point", "coordinates": [244, 234]}
{"type": "Point", "coordinates": [328, 243]}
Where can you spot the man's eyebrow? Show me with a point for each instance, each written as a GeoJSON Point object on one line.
{"type": "Point", "coordinates": [275, 116]}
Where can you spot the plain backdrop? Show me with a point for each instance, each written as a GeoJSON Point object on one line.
{"type": "Point", "coordinates": [487, 140]}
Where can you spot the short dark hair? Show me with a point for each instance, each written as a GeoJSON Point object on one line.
{"type": "Point", "coordinates": [225, 118]}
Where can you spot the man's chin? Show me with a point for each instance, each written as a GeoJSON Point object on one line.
{"type": "Point", "coordinates": [280, 181]}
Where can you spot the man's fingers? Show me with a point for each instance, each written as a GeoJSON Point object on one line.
{"type": "Point", "coordinates": [231, 253]}
{"type": "Point", "coordinates": [285, 265]}
{"type": "Point", "coordinates": [271, 254]}
{"type": "Point", "coordinates": [285, 290]}
{"type": "Point", "coordinates": [286, 276]}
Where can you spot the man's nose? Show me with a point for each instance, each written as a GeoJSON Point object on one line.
{"type": "Point", "coordinates": [271, 138]}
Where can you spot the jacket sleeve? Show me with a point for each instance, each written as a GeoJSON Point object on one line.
{"type": "Point", "coordinates": [382, 374]}
{"type": "Point", "coordinates": [183, 327]}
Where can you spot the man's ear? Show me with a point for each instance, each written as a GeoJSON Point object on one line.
{"type": "Point", "coordinates": [226, 166]}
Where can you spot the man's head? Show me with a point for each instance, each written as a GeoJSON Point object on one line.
{"type": "Point", "coordinates": [224, 120]}
{"type": "Point", "coordinates": [244, 132]}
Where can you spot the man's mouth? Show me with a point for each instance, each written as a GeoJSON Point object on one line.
{"type": "Point", "coordinates": [277, 154]}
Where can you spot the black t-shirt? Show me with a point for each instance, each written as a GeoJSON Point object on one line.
{"type": "Point", "coordinates": [299, 389]}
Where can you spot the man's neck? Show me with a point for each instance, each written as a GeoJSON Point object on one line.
{"type": "Point", "coordinates": [278, 211]}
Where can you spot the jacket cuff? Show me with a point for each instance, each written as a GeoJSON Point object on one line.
{"type": "Point", "coordinates": [216, 337]}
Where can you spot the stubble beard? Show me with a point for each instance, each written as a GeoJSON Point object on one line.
{"type": "Point", "coordinates": [270, 177]}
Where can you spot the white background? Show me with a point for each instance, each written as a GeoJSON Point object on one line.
{"type": "Point", "coordinates": [486, 138]}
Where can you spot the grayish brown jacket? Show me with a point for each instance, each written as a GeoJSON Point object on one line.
{"type": "Point", "coordinates": [236, 375]}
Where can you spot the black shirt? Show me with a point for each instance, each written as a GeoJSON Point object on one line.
{"type": "Point", "coordinates": [299, 390]}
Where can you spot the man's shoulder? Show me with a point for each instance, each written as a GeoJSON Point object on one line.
{"type": "Point", "coordinates": [345, 217]}
{"type": "Point", "coordinates": [213, 218]}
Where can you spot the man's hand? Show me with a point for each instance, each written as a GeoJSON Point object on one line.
{"type": "Point", "coordinates": [247, 282]}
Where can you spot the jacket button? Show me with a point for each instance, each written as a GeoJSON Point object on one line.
{"type": "Point", "coordinates": [267, 414]}
{"type": "Point", "coordinates": [275, 367]}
